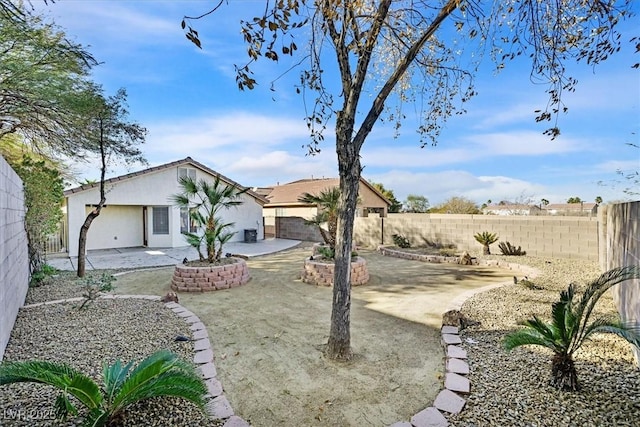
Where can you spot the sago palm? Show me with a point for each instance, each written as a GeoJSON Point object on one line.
{"type": "Point", "coordinates": [205, 200]}
{"type": "Point", "coordinates": [485, 239]}
{"type": "Point", "coordinates": [327, 201]}
{"type": "Point", "coordinates": [161, 374]}
{"type": "Point", "coordinates": [570, 326]}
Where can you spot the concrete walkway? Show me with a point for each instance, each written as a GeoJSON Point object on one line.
{"type": "Point", "coordinates": [141, 257]}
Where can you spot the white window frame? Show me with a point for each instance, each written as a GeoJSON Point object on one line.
{"type": "Point", "coordinates": [158, 227]}
{"type": "Point", "coordinates": [190, 226]}
{"type": "Point", "coordinates": [186, 172]}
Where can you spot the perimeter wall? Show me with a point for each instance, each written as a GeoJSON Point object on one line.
{"type": "Point", "coordinates": [14, 258]}
{"type": "Point", "coordinates": [620, 236]}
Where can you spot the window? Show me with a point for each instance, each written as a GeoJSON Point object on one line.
{"type": "Point", "coordinates": [160, 220]}
{"type": "Point", "coordinates": [186, 173]}
{"type": "Point", "coordinates": [187, 224]}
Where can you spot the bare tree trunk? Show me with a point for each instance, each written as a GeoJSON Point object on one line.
{"type": "Point", "coordinates": [339, 345]}
{"type": "Point", "coordinates": [82, 240]}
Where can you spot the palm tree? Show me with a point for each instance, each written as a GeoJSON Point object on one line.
{"type": "Point", "coordinates": [204, 201]}
{"type": "Point", "coordinates": [485, 238]}
{"type": "Point", "coordinates": [161, 374]}
{"type": "Point", "coordinates": [570, 326]}
{"type": "Point", "coordinates": [327, 202]}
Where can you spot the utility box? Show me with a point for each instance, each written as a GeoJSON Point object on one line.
{"type": "Point", "coordinates": [250, 235]}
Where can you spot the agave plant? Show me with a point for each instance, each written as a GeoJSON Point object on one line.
{"type": "Point", "coordinates": [485, 238]}
{"type": "Point", "coordinates": [570, 326]}
{"type": "Point", "coordinates": [161, 374]}
{"type": "Point", "coordinates": [205, 200]}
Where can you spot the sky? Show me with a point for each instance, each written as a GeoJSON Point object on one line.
{"type": "Point", "coordinates": [188, 100]}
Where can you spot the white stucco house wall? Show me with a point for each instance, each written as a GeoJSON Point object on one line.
{"type": "Point", "coordinates": [139, 211]}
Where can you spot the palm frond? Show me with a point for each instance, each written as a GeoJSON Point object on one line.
{"type": "Point", "coordinates": [61, 376]}
{"type": "Point", "coordinates": [527, 337]}
{"type": "Point", "coordinates": [629, 331]}
{"type": "Point", "coordinates": [161, 374]}
{"type": "Point", "coordinates": [113, 377]}
{"type": "Point", "coordinates": [598, 287]}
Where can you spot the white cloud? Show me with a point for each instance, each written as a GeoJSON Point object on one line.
{"type": "Point", "coordinates": [241, 131]}
{"type": "Point", "coordinates": [523, 143]}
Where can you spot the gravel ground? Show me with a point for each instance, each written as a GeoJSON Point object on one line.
{"type": "Point", "coordinates": [129, 329]}
{"type": "Point", "coordinates": [509, 389]}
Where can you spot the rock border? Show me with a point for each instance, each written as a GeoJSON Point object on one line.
{"type": "Point", "coordinates": [217, 406]}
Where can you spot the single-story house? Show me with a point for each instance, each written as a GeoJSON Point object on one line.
{"type": "Point", "coordinates": [139, 210]}
{"type": "Point", "coordinates": [512, 209]}
{"type": "Point", "coordinates": [571, 209]}
{"type": "Point", "coordinates": [283, 200]}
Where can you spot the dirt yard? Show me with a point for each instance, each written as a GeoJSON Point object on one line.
{"type": "Point", "coordinates": [268, 337]}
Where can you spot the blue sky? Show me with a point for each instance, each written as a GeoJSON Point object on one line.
{"type": "Point", "coordinates": [189, 101]}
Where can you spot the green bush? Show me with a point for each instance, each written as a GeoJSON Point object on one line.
{"type": "Point", "coordinates": [401, 241]}
{"type": "Point", "coordinates": [508, 249]}
{"type": "Point", "coordinates": [93, 286]}
{"type": "Point", "coordinates": [40, 276]}
{"type": "Point", "coordinates": [161, 374]}
{"type": "Point", "coordinates": [485, 239]}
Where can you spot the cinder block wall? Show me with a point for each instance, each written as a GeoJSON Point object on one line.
{"type": "Point", "coordinates": [567, 237]}
{"type": "Point", "coordinates": [295, 228]}
{"type": "Point", "coordinates": [14, 261]}
{"type": "Point", "coordinates": [622, 249]}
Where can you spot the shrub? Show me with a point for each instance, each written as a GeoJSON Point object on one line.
{"type": "Point", "coordinates": [327, 252]}
{"type": "Point", "coordinates": [39, 276]}
{"type": "Point", "coordinates": [570, 326]}
{"type": "Point", "coordinates": [485, 238]}
{"type": "Point", "coordinates": [401, 241]}
{"type": "Point", "coordinates": [93, 286]}
{"type": "Point", "coordinates": [508, 249]}
{"type": "Point", "coordinates": [161, 374]}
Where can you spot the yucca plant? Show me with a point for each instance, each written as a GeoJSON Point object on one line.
{"type": "Point", "coordinates": [570, 326]}
{"type": "Point", "coordinates": [485, 239]}
{"type": "Point", "coordinates": [161, 374]}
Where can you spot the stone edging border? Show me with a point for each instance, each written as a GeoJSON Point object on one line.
{"type": "Point", "coordinates": [456, 368]}
{"type": "Point", "coordinates": [218, 407]}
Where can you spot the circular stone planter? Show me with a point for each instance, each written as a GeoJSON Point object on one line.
{"type": "Point", "coordinates": [321, 273]}
{"type": "Point", "coordinates": [210, 278]}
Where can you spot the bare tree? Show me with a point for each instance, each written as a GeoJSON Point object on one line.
{"type": "Point", "coordinates": [384, 46]}
{"type": "Point", "coordinates": [114, 137]}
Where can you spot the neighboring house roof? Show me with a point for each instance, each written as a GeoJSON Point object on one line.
{"type": "Point", "coordinates": [510, 209]}
{"type": "Point", "coordinates": [288, 194]}
{"type": "Point", "coordinates": [569, 206]}
{"type": "Point", "coordinates": [186, 161]}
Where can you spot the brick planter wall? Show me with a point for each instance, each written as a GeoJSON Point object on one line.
{"type": "Point", "coordinates": [207, 279]}
{"type": "Point", "coordinates": [321, 273]}
{"type": "Point", "coordinates": [421, 257]}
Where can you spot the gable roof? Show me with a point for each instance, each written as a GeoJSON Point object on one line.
{"type": "Point", "coordinates": [288, 194]}
{"type": "Point", "coordinates": [186, 161]}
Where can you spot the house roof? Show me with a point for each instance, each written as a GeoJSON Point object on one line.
{"type": "Point", "coordinates": [570, 206]}
{"type": "Point", "coordinates": [186, 161]}
{"type": "Point", "coordinates": [288, 194]}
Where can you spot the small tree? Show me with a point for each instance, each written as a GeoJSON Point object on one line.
{"type": "Point", "coordinates": [327, 203]}
{"type": "Point", "coordinates": [388, 194]}
{"type": "Point", "coordinates": [574, 200]}
{"type": "Point", "coordinates": [416, 204]}
{"type": "Point", "coordinates": [456, 205]}
{"type": "Point", "coordinates": [112, 135]}
{"type": "Point", "coordinates": [43, 190]}
{"type": "Point", "coordinates": [598, 200]}
{"type": "Point", "coordinates": [204, 201]}
{"type": "Point", "coordinates": [485, 238]}
{"type": "Point", "coordinates": [570, 327]}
